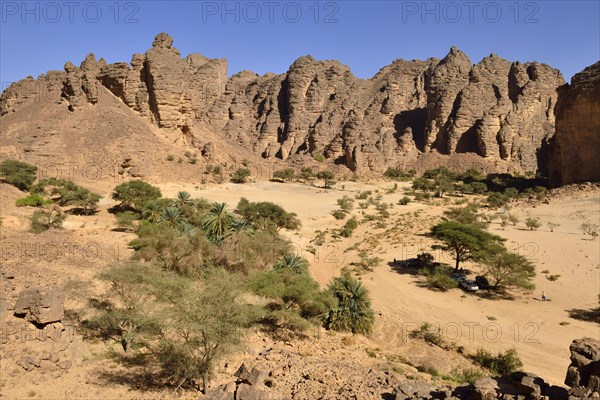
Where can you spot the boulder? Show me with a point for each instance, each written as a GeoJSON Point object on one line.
{"type": "Point", "coordinates": [41, 304]}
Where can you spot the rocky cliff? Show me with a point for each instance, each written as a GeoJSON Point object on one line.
{"type": "Point", "coordinates": [499, 111]}
{"type": "Point", "coordinates": [575, 153]}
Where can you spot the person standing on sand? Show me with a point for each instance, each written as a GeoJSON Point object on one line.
{"type": "Point", "coordinates": [543, 296]}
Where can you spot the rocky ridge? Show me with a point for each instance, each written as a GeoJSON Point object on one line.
{"type": "Point", "coordinates": [574, 155]}
{"type": "Point", "coordinates": [498, 110]}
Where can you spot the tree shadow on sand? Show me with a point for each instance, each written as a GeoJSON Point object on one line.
{"type": "Point", "coordinates": [592, 315]}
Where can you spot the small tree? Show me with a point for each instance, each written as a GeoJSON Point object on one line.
{"type": "Point", "coordinates": [48, 217]}
{"type": "Point", "coordinates": [18, 173]}
{"type": "Point", "coordinates": [514, 220]}
{"type": "Point", "coordinates": [533, 223]}
{"type": "Point", "coordinates": [590, 229]}
{"type": "Point", "coordinates": [136, 194]}
{"type": "Point", "coordinates": [464, 241]}
{"type": "Point", "coordinates": [509, 270]}
{"type": "Point", "coordinates": [240, 175]}
{"type": "Point", "coordinates": [286, 174]}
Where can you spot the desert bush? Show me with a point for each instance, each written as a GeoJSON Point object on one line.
{"type": "Point", "coordinates": [552, 225]}
{"type": "Point", "coordinates": [533, 223]}
{"type": "Point", "coordinates": [286, 174]}
{"type": "Point", "coordinates": [397, 174]}
{"type": "Point", "coordinates": [33, 200]}
{"type": "Point", "coordinates": [404, 201]}
{"type": "Point", "coordinates": [590, 229]}
{"type": "Point", "coordinates": [426, 333]}
{"type": "Point", "coordinates": [18, 173]}
{"type": "Point", "coordinates": [349, 227]}
{"type": "Point", "coordinates": [438, 277]}
{"type": "Point", "coordinates": [339, 214]}
{"type": "Point", "coordinates": [346, 203]}
{"type": "Point", "coordinates": [48, 217]}
{"type": "Point", "coordinates": [501, 364]}
{"type": "Point", "coordinates": [240, 175]}
{"type": "Point", "coordinates": [496, 200]}
{"type": "Point", "coordinates": [319, 157]}
{"type": "Point", "coordinates": [364, 195]}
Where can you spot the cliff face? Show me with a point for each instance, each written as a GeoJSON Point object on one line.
{"type": "Point", "coordinates": [499, 111]}
{"type": "Point", "coordinates": [575, 151]}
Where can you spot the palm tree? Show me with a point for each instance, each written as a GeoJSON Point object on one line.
{"type": "Point", "coordinates": [187, 229]}
{"type": "Point", "coordinates": [152, 212]}
{"type": "Point", "coordinates": [182, 199]}
{"type": "Point", "coordinates": [171, 216]}
{"type": "Point", "coordinates": [353, 312]}
{"type": "Point", "coordinates": [294, 262]}
{"type": "Point", "coordinates": [240, 226]}
{"type": "Point", "coordinates": [217, 221]}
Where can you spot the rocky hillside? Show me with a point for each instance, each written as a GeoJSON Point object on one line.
{"type": "Point", "coordinates": [498, 111]}
{"type": "Point", "coordinates": [574, 156]}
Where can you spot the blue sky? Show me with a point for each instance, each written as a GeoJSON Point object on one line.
{"type": "Point", "coordinates": [267, 36]}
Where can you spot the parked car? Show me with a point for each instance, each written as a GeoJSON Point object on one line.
{"type": "Point", "coordinates": [413, 263]}
{"type": "Point", "coordinates": [468, 285]}
{"type": "Point", "coordinates": [482, 282]}
{"type": "Point", "coordinates": [458, 276]}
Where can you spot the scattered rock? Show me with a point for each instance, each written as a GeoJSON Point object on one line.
{"type": "Point", "coordinates": [41, 304]}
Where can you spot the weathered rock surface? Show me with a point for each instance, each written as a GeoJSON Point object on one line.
{"type": "Point", "coordinates": [575, 146]}
{"type": "Point", "coordinates": [41, 304]}
{"type": "Point", "coordinates": [496, 110]}
{"type": "Point", "coordinates": [583, 375]}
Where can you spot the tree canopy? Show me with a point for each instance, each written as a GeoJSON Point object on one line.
{"type": "Point", "coordinates": [466, 242]}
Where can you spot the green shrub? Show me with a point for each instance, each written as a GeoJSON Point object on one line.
{"type": "Point", "coordinates": [397, 174]}
{"type": "Point", "coordinates": [49, 217]}
{"type": "Point", "coordinates": [240, 175]}
{"type": "Point", "coordinates": [319, 157]}
{"type": "Point", "coordinates": [339, 214]}
{"type": "Point", "coordinates": [438, 277]}
{"type": "Point", "coordinates": [284, 174]}
{"type": "Point", "coordinates": [33, 200]}
{"type": "Point", "coordinates": [17, 173]}
{"type": "Point", "coordinates": [533, 223]}
{"type": "Point", "coordinates": [404, 201]}
{"type": "Point", "coordinates": [501, 364]}
{"type": "Point", "coordinates": [496, 199]}
{"type": "Point", "coordinates": [364, 195]}
{"type": "Point", "coordinates": [479, 187]}
{"type": "Point", "coordinates": [349, 227]}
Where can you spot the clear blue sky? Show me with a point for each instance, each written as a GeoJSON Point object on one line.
{"type": "Point", "coordinates": [267, 36]}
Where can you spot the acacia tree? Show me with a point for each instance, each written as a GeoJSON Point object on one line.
{"type": "Point", "coordinates": [508, 270]}
{"type": "Point", "coordinates": [136, 194]}
{"type": "Point", "coordinates": [18, 173]}
{"type": "Point", "coordinates": [466, 242]}
{"type": "Point", "coordinates": [265, 215]}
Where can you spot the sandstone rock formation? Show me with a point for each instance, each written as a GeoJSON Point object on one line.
{"type": "Point", "coordinates": [575, 146]}
{"type": "Point", "coordinates": [41, 305]}
{"type": "Point", "coordinates": [498, 111]}
{"type": "Point", "coordinates": [583, 375]}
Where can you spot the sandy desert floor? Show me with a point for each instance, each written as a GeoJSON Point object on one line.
{"type": "Point", "coordinates": [531, 326]}
{"type": "Point", "coordinates": [526, 323]}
